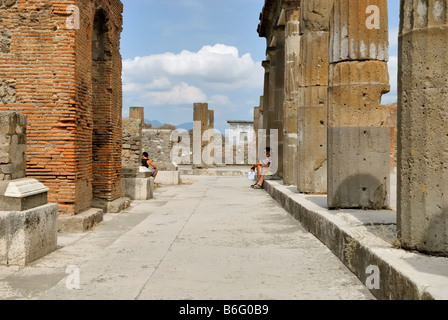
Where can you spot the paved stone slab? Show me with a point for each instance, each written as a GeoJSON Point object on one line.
{"type": "Point", "coordinates": [214, 239]}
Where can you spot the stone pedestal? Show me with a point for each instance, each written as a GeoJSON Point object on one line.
{"type": "Point", "coordinates": [28, 225]}
{"type": "Point", "coordinates": [137, 183]}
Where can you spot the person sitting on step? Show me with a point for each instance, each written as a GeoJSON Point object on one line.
{"type": "Point", "coordinates": [264, 169]}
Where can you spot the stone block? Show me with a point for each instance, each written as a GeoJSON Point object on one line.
{"type": "Point", "coordinates": [22, 194]}
{"type": "Point", "coordinates": [423, 168]}
{"type": "Point", "coordinates": [355, 92]}
{"type": "Point", "coordinates": [290, 159]}
{"type": "Point", "coordinates": [315, 15]}
{"type": "Point", "coordinates": [422, 50]}
{"type": "Point", "coordinates": [80, 222]}
{"type": "Point", "coordinates": [138, 188]}
{"type": "Point", "coordinates": [359, 168]}
{"type": "Point", "coordinates": [313, 70]}
{"type": "Point", "coordinates": [28, 235]}
{"type": "Point", "coordinates": [312, 147]}
{"type": "Point", "coordinates": [168, 177]}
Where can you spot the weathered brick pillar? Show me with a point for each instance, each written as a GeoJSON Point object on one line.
{"type": "Point", "coordinates": [291, 99]}
{"type": "Point", "coordinates": [312, 110]}
{"type": "Point", "coordinates": [67, 79]}
{"type": "Point", "coordinates": [358, 139]}
{"type": "Point", "coordinates": [200, 125]}
{"type": "Point", "coordinates": [422, 127]}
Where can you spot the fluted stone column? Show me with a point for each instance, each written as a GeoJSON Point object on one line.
{"type": "Point", "coordinates": [358, 138]}
{"type": "Point", "coordinates": [267, 67]}
{"type": "Point", "coordinates": [422, 126]}
{"type": "Point", "coordinates": [279, 32]}
{"type": "Point", "coordinates": [312, 110]}
{"type": "Point", "coordinates": [291, 99]}
{"type": "Point", "coordinates": [271, 122]}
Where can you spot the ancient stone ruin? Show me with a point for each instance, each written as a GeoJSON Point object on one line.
{"type": "Point", "coordinates": [325, 74]}
{"type": "Point", "coordinates": [60, 64]}
{"type": "Point", "coordinates": [28, 224]}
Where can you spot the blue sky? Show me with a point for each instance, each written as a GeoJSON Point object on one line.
{"type": "Point", "coordinates": [178, 52]}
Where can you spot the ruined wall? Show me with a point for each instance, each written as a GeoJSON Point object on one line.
{"type": "Point", "coordinates": [158, 144]}
{"type": "Point", "coordinates": [12, 145]}
{"type": "Point", "coordinates": [71, 94]}
{"type": "Point", "coordinates": [131, 153]}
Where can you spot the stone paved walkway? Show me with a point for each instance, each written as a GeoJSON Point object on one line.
{"type": "Point", "coordinates": [215, 239]}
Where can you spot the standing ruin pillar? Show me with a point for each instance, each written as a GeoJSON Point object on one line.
{"type": "Point", "coordinates": [358, 138]}
{"type": "Point", "coordinates": [312, 109]}
{"type": "Point", "coordinates": [137, 113]}
{"type": "Point", "coordinates": [200, 125]}
{"type": "Point", "coordinates": [292, 53]}
{"type": "Point", "coordinates": [422, 197]}
{"type": "Point", "coordinates": [279, 33]}
{"type": "Point", "coordinates": [267, 67]}
{"type": "Point", "coordinates": [270, 123]}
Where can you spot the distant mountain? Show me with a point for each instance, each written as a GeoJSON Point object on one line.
{"type": "Point", "coordinates": [185, 126]}
{"type": "Point", "coordinates": [154, 123]}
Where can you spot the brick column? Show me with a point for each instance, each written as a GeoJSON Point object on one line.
{"type": "Point", "coordinates": [358, 139]}
{"type": "Point", "coordinates": [312, 110]}
{"type": "Point", "coordinates": [422, 127]}
{"type": "Point", "coordinates": [291, 99]}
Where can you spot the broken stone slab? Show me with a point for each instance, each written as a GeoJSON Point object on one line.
{"type": "Point", "coordinates": [115, 206]}
{"type": "Point", "coordinates": [28, 235]}
{"type": "Point", "coordinates": [22, 194]}
{"type": "Point", "coordinates": [81, 222]}
{"type": "Point", "coordinates": [168, 177]}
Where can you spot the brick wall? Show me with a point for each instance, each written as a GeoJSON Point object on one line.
{"type": "Point", "coordinates": [74, 131]}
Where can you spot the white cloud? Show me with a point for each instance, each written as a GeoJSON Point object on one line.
{"type": "Point", "coordinates": [219, 67]}
{"type": "Point", "coordinates": [179, 94]}
{"type": "Point", "coordinates": [219, 100]}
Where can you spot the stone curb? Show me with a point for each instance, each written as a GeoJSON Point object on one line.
{"type": "Point", "coordinates": [350, 235]}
